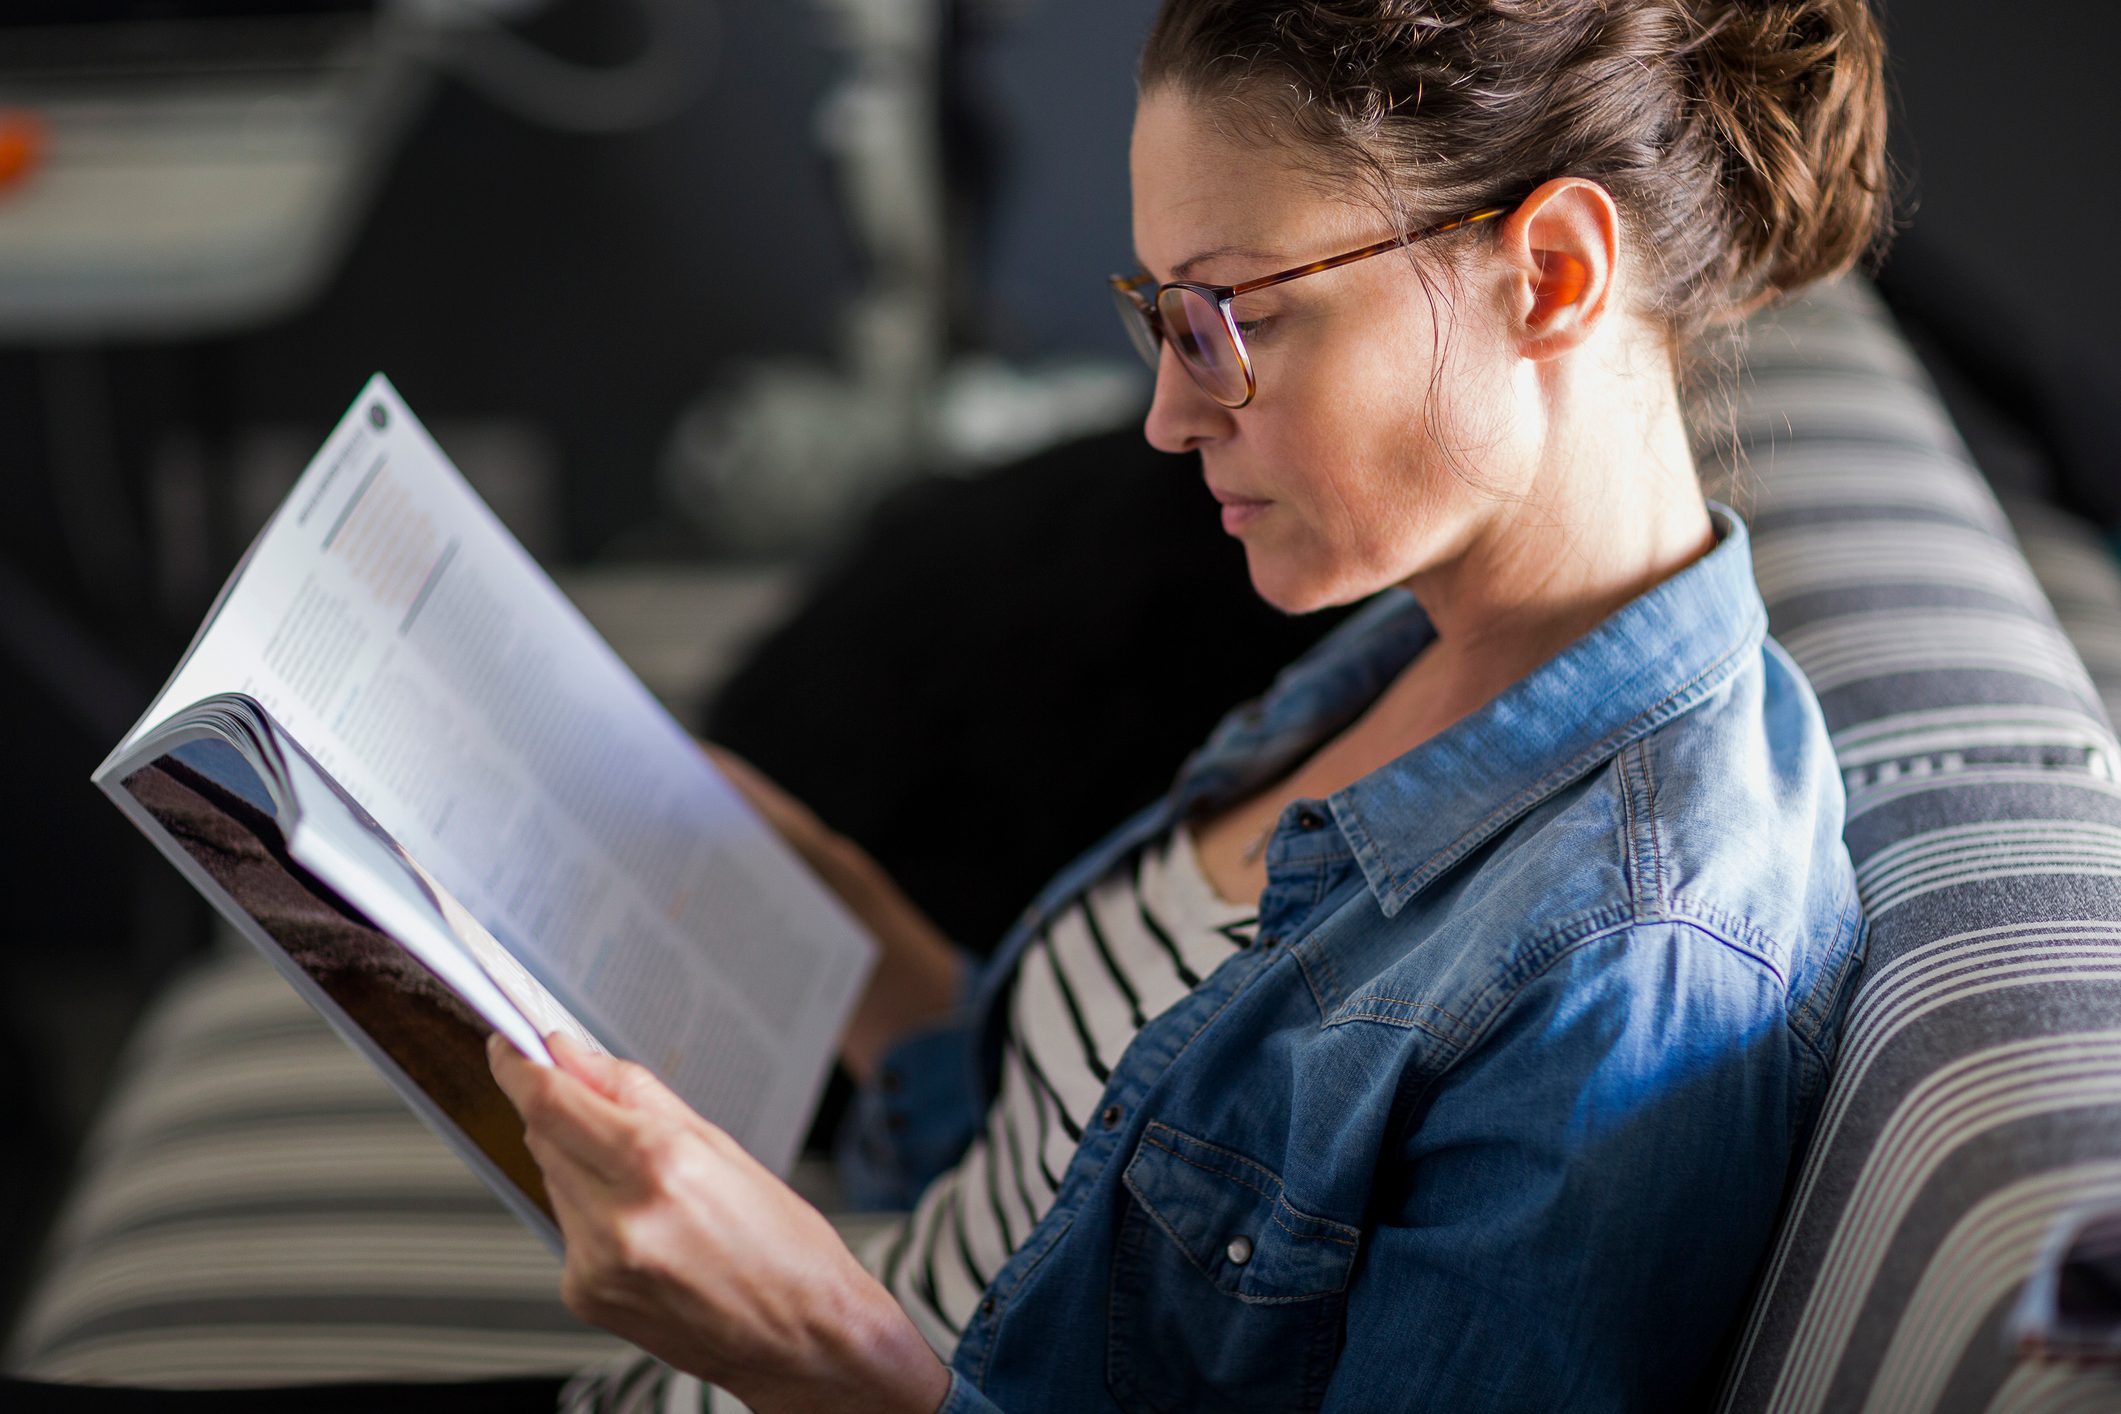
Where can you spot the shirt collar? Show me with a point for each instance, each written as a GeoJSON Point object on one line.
{"type": "Point", "coordinates": [1408, 821]}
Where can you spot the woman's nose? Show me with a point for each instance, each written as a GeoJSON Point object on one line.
{"type": "Point", "coordinates": [1182, 417]}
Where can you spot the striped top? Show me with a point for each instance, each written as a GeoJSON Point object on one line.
{"type": "Point", "coordinates": [1130, 947]}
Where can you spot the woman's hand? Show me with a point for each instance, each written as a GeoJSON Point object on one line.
{"type": "Point", "coordinates": [793, 821]}
{"type": "Point", "coordinates": [919, 972]}
{"type": "Point", "coordinates": [681, 1242]}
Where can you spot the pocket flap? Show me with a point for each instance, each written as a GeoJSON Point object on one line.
{"type": "Point", "coordinates": [1230, 1218]}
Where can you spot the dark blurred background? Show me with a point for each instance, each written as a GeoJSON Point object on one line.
{"type": "Point", "coordinates": [727, 307]}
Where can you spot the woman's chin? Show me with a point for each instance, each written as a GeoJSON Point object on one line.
{"type": "Point", "coordinates": [1285, 589]}
{"type": "Point", "coordinates": [1298, 585]}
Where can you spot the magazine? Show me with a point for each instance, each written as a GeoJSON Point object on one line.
{"type": "Point", "coordinates": [402, 764]}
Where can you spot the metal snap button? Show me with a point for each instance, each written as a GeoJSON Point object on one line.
{"type": "Point", "coordinates": [1112, 1116]}
{"type": "Point", "coordinates": [1310, 820]}
{"type": "Point", "coordinates": [986, 1306]}
{"type": "Point", "coordinates": [1239, 1251]}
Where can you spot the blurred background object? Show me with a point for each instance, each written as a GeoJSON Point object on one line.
{"type": "Point", "coordinates": [723, 305]}
{"type": "Point", "coordinates": [789, 450]}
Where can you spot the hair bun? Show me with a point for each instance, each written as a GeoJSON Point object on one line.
{"type": "Point", "coordinates": [1793, 92]}
{"type": "Point", "coordinates": [1743, 140]}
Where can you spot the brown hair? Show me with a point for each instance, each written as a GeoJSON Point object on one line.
{"type": "Point", "coordinates": [1744, 140]}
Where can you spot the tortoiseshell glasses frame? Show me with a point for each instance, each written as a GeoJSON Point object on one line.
{"type": "Point", "coordinates": [1216, 356]}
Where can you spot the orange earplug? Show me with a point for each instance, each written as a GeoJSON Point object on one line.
{"type": "Point", "coordinates": [1561, 281]}
{"type": "Point", "coordinates": [21, 143]}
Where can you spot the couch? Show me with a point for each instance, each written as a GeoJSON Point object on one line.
{"type": "Point", "coordinates": [256, 1207]}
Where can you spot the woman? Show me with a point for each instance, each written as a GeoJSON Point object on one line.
{"type": "Point", "coordinates": [1443, 1038]}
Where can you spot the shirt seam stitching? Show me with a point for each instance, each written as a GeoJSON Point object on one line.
{"type": "Point", "coordinates": [1562, 941]}
{"type": "Point", "coordinates": [1615, 740]}
{"type": "Point", "coordinates": [1278, 1201]}
{"type": "Point", "coordinates": [1641, 874]}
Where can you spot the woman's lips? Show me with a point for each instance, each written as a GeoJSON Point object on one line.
{"type": "Point", "coordinates": [1238, 511]}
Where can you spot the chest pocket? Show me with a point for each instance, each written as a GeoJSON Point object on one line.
{"type": "Point", "coordinates": [1225, 1295]}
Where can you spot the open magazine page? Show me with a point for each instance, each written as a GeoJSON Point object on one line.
{"type": "Point", "coordinates": [392, 626]}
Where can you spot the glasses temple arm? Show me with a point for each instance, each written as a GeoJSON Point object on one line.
{"type": "Point", "coordinates": [1487, 213]}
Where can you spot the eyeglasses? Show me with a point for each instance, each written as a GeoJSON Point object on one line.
{"type": "Point", "coordinates": [1196, 319]}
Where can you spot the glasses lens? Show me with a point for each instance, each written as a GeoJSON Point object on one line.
{"type": "Point", "coordinates": [1194, 325]}
{"type": "Point", "coordinates": [1135, 315]}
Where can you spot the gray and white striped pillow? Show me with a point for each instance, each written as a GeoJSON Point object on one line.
{"type": "Point", "coordinates": [1976, 1099]}
{"type": "Point", "coordinates": [256, 1206]}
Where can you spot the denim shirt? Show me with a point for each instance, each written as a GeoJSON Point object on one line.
{"type": "Point", "coordinates": [1496, 1110]}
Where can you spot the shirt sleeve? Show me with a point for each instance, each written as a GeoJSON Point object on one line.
{"type": "Point", "coordinates": [1579, 1202]}
{"type": "Point", "coordinates": [914, 1119]}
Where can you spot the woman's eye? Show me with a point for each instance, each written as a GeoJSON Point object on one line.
{"type": "Point", "coordinates": [1252, 328]}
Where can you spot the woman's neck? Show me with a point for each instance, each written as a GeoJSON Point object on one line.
{"type": "Point", "coordinates": [1611, 506]}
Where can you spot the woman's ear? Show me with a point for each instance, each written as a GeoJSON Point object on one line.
{"type": "Point", "coordinates": [1561, 245]}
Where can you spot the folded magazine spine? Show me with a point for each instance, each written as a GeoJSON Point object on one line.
{"type": "Point", "coordinates": [187, 790]}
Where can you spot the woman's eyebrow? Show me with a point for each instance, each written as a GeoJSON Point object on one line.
{"type": "Point", "coordinates": [1178, 271]}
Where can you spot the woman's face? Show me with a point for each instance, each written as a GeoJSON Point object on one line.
{"type": "Point", "coordinates": [1338, 476]}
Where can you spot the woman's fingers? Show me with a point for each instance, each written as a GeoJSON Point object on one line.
{"type": "Point", "coordinates": [598, 1071]}
{"type": "Point", "coordinates": [684, 1244]}
{"type": "Point", "coordinates": [560, 1108]}
{"type": "Point", "coordinates": [789, 818]}
{"type": "Point", "coordinates": [611, 1116]}
{"type": "Point", "coordinates": [627, 1084]}
{"type": "Point", "coordinates": [619, 1081]}
{"type": "Point", "coordinates": [586, 1213]}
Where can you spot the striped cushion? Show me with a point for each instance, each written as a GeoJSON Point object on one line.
{"type": "Point", "coordinates": [2076, 572]}
{"type": "Point", "coordinates": [257, 1206]}
{"type": "Point", "coordinates": [1977, 1095]}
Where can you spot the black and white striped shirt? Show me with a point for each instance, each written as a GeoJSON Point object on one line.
{"type": "Point", "coordinates": [1131, 946]}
